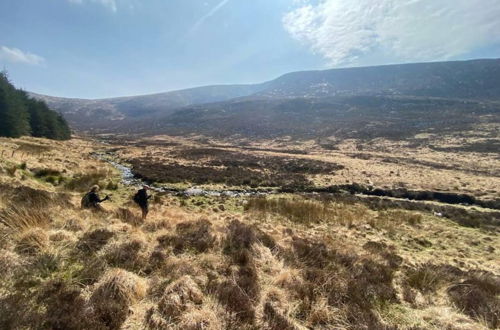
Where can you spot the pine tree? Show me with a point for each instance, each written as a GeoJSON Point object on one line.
{"type": "Point", "coordinates": [13, 113]}
{"type": "Point", "coordinates": [21, 115]}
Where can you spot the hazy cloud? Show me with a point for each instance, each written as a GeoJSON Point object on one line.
{"type": "Point", "coordinates": [344, 31]}
{"type": "Point", "coordinates": [15, 55]}
{"type": "Point", "coordinates": [211, 13]}
{"type": "Point", "coordinates": [111, 4]}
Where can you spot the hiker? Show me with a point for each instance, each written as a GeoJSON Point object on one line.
{"type": "Point", "coordinates": [91, 200]}
{"type": "Point", "coordinates": [141, 198]}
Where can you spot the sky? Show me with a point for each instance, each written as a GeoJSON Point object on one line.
{"type": "Point", "coordinates": [109, 48]}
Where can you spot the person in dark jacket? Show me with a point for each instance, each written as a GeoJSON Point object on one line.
{"type": "Point", "coordinates": [142, 199]}
{"type": "Point", "coordinates": [91, 200]}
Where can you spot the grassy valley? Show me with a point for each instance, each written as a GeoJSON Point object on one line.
{"type": "Point", "coordinates": [289, 260]}
{"type": "Point", "coordinates": [169, 165]}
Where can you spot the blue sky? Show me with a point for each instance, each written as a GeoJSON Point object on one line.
{"type": "Point", "coordinates": [104, 48]}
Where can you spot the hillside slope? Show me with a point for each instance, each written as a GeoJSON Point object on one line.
{"type": "Point", "coordinates": [476, 79]}
{"type": "Point", "coordinates": [360, 117]}
{"type": "Point", "coordinates": [380, 92]}
{"type": "Point", "coordinates": [85, 114]}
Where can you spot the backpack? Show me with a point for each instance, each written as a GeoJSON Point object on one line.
{"type": "Point", "coordinates": [85, 203]}
{"type": "Point", "coordinates": [137, 198]}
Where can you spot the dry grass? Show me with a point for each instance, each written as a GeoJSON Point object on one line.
{"type": "Point", "coordinates": [19, 218]}
{"type": "Point", "coordinates": [427, 278]}
{"type": "Point", "coordinates": [10, 261]}
{"type": "Point", "coordinates": [84, 181]}
{"type": "Point", "coordinates": [11, 170]}
{"type": "Point", "coordinates": [382, 163]}
{"type": "Point", "coordinates": [478, 296]}
{"type": "Point", "coordinates": [392, 219]}
{"type": "Point", "coordinates": [93, 241]}
{"type": "Point", "coordinates": [179, 297]}
{"type": "Point", "coordinates": [286, 262]}
{"type": "Point", "coordinates": [32, 241]}
{"type": "Point", "coordinates": [196, 236]}
{"type": "Point", "coordinates": [130, 254]}
{"type": "Point", "coordinates": [306, 211]}
{"type": "Point", "coordinates": [129, 217]}
{"type": "Point", "coordinates": [114, 294]}
{"type": "Point", "coordinates": [297, 210]}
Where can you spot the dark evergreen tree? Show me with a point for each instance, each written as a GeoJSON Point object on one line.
{"type": "Point", "coordinates": [13, 113]}
{"type": "Point", "coordinates": [21, 115]}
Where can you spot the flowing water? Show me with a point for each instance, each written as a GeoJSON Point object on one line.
{"type": "Point", "coordinates": [129, 179]}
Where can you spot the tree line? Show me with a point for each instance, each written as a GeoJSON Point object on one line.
{"type": "Point", "coordinates": [21, 115]}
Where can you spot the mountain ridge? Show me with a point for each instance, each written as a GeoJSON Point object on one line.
{"type": "Point", "coordinates": [476, 80]}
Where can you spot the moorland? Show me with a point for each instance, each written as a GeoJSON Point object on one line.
{"type": "Point", "coordinates": [293, 259]}
{"type": "Point", "coordinates": [362, 198]}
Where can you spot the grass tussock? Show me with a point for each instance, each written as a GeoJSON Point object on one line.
{"type": "Point", "coordinates": [196, 236]}
{"type": "Point", "coordinates": [478, 296]}
{"type": "Point", "coordinates": [114, 294]}
{"type": "Point", "coordinates": [241, 291]}
{"type": "Point", "coordinates": [24, 196]}
{"type": "Point", "coordinates": [66, 307]}
{"type": "Point", "coordinates": [93, 241]}
{"type": "Point", "coordinates": [130, 255]}
{"type": "Point", "coordinates": [296, 210]}
{"type": "Point", "coordinates": [32, 241]}
{"type": "Point", "coordinates": [275, 311]}
{"type": "Point", "coordinates": [280, 262]}
{"type": "Point", "coordinates": [345, 280]}
{"type": "Point", "coordinates": [84, 181]}
{"type": "Point", "coordinates": [426, 278]}
{"type": "Point", "coordinates": [391, 219]}
{"type": "Point", "coordinates": [178, 298]}
{"type": "Point", "coordinates": [128, 216]}
{"type": "Point", "coordinates": [20, 219]}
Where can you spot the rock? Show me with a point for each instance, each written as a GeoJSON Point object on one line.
{"type": "Point", "coordinates": [194, 192]}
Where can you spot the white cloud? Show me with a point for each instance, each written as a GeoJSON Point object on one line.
{"type": "Point", "coordinates": [15, 55]}
{"type": "Point", "coordinates": [346, 31]}
{"type": "Point", "coordinates": [111, 4]}
{"type": "Point", "coordinates": [211, 13]}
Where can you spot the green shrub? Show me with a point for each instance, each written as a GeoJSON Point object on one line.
{"type": "Point", "coordinates": [49, 175]}
{"type": "Point", "coordinates": [425, 278]}
{"type": "Point", "coordinates": [11, 170]}
{"type": "Point", "coordinates": [112, 185]}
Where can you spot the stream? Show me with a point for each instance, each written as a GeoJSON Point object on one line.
{"type": "Point", "coordinates": [129, 179]}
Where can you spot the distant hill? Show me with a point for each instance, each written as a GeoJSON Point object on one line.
{"type": "Point", "coordinates": [365, 117]}
{"type": "Point", "coordinates": [477, 79]}
{"type": "Point", "coordinates": [369, 101]}
{"type": "Point", "coordinates": [87, 114]}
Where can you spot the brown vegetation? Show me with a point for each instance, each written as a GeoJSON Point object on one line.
{"type": "Point", "coordinates": [114, 295]}
{"type": "Point", "coordinates": [195, 236]}
{"type": "Point", "coordinates": [284, 261]}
